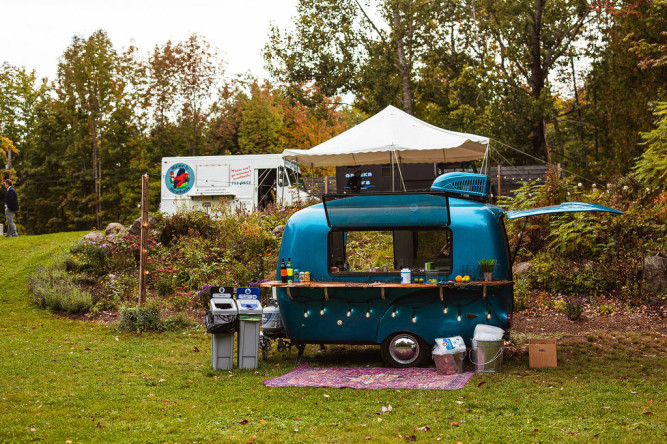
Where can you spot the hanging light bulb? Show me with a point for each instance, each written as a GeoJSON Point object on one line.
{"type": "Point", "coordinates": [368, 311]}
{"type": "Point", "coordinates": [393, 313]}
{"type": "Point", "coordinates": [305, 311]}
{"type": "Point", "coordinates": [414, 317]}
{"type": "Point", "coordinates": [444, 310]}
{"type": "Point", "coordinates": [322, 310]}
{"type": "Point", "coordinates": [349, 311]}
{"type": "Point", "coordinates": [488, 316]}
{"type": "Point", "coordinates": [458, 318]}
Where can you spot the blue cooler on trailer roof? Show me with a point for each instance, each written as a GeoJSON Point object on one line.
{"type": "Point", "coordinates": [250, 318]}
{"type": "Point", "coordinates": [222, 322]}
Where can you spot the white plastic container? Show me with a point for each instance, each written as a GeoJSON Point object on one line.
{"type": "Point", "coordinates": [405, 276]}
{"type": "Point", "coordinates": [449, 344]}
{"type": "Point", "coordinates": [485, 332]}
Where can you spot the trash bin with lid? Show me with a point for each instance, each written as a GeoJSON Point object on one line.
{"type": "Point", "coordinates": [250, 318]}
{"type": "Point", "coordinates": [222, 321]}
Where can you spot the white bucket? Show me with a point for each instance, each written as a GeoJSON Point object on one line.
{"type": "Point", "coordinates": [405, 276]}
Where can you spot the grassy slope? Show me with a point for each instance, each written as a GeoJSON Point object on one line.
{"type": "Point", "coordinates": [67, 380]}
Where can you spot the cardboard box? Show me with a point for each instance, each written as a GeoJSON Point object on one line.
{"type": "Point", "coordinates": [542, 353]}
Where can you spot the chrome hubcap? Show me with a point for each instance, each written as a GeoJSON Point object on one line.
{"type": "Point", "coordinates": [404, 349]}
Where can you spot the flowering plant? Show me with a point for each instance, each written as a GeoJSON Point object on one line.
{"type": "Point", "coordinates": [573, 308]}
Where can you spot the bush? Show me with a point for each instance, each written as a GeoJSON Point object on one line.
{"type": "Point", "coordinates": [606, 309]}
{"type": "Point", "coordinates": [89, 255]}
{"type": "Point", "coordinates": [557, 275]}
{"type": "Point", "coordinates": [146, 318]}
{"type": "Point", "coordinates": [185, 223]}
{"type": "Point", "coordinates": [584, 253]}
{"type": "Point", "coordinates": [54, 289]}
{"type": "Point", "coordinates": [573, 308]}
{"type": "Point", "coordinates": [178, 322]}
{"type": "Point", "coordinates": [521, 293]}
{"type": "Point", "coordinates": [116, 289]}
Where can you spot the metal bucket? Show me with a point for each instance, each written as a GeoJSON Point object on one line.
{"type": "Point", "coordinates": [449, 364]}
{"type": "Point", "coordinates": [486, 356]}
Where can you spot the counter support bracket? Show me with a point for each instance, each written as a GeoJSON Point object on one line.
{"type": "Point", "coordinates": [382, 292]}
{"type": "Point", "coordinates": [289, 294]}
{"type": "Point", "coordinates": [326, 293]}
{"type": "Point", "coordinates": [442, 297]}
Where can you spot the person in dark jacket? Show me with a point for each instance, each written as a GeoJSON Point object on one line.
{"type": "Point", "coordinates": [11, 207]}
{"type": "Point", "coordinates": [354, 182]}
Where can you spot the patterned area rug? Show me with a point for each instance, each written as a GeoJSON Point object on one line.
{"type": "Point", "coordinates": [370, 378]}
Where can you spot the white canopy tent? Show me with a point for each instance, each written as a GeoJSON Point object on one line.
{"type": "Point", "coordinates": [392, 132]}
{"type": "Point", "coordinates": [392, 136]}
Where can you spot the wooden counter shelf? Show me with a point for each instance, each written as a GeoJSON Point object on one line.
{"type": "Point", "coordinates": [381, 285]}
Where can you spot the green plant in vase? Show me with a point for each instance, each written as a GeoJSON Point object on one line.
{"type": "Point", "coordinates": [487, 266]}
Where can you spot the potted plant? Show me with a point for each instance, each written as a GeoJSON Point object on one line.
{"type": "Point", "coordinates": [487, 266]}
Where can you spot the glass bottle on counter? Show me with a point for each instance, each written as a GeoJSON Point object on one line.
{"type": "Point", "coordinates": [290, 271]}
{"type": "Point", "coordinates": [283, 271]}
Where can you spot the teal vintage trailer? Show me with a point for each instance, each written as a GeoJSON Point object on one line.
{"type": "Point", "coordinates": [356, 247]}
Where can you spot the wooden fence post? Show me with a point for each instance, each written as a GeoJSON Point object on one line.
{"type": "Point", "coordinates": [499, 192]}
{"type": "Point", "coordinates": [143, 253]}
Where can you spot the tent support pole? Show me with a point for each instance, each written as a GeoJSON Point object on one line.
{"type": "Point", "coordinates": [391, 156]}
{"type": "Point", "coordinates": [400, 173]}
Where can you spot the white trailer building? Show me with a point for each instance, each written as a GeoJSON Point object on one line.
{"type": "Point", "coordinates": [245, 181]}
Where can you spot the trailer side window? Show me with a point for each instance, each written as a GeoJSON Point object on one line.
{"type": "Point", "coordinates": [377, 251]}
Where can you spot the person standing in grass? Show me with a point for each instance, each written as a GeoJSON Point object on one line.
{"type": "Point", "coordinates": [11, 207]}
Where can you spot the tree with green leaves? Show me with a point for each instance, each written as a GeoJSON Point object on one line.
{"type": "Point", "coordinates": [182, 78]}
{"type": "Point", "coordinates": [627, 76]}
{"type": "Point", "coordinates": [87, 86]}
{"type": "Point", "coordinates": [344, 47]}
{"type": "Point", "coordinates": [20, 94]}
{"type": "Point", "coordinates": [528, 40]}
{"type": "Point", "coordinates": [651, 168]}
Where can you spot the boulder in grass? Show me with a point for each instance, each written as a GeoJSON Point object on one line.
{"type": "Point", "coordinates": [115, 231]}
{"type": "Point", "coordinates": [135, 229]}
{"type": "Point", "coordinates": [655, 273]}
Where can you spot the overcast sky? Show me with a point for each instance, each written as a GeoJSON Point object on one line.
{"type": "Point", "coordinates": [35, 33]}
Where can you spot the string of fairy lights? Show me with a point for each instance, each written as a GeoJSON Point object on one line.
{"type": "Point", "coordinates": [358, 305]}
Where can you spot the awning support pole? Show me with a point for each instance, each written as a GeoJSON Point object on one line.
{"type": "Point", "coordinates": [391, 156]}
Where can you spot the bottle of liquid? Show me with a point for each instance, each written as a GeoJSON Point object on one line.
{"type": "Point", "coordinates": [290, 271]}
{"type": "Point", "coordinates": [283, 271]}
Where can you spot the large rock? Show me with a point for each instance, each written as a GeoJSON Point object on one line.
{"type": "Point", "coordinates": [115, 231]}
{"type": "Point", "coordinates": [655, 272]}
{"type": "Point", "coordinates": [278, 231]}
{"type": "Point", "coordinates": [521, 267]}
{"type": "Point", "coordinates": [136, 225]}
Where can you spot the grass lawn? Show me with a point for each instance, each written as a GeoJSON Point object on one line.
{"type": "Point", "coordinates": [73, 381]}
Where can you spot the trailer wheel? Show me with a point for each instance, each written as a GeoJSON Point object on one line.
{"type": "Point", "coordinates": [404, 349]}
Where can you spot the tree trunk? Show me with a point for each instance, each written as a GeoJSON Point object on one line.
{"type": "Point", "coordinates": [403, 64]}
{"type": "Point", "coordinates": [96, 173]}
{"type": "Point", "coordinates": [537, 77]}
